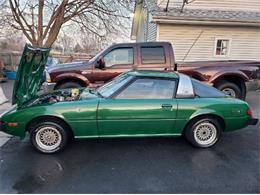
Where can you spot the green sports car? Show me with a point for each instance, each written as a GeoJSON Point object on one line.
{"type": "Point", "coordinates": [134, 104]}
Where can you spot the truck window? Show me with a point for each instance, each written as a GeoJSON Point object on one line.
{"type": "Point", "coordinates": [119, 56]}
{"type": "Point", "coordinates": [152, 55]}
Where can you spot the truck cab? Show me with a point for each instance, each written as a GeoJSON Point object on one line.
{"type": "Point", "coordinates": [111, 62]}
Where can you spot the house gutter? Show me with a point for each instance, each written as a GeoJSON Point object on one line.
{"type": "Point", "coordinates": [203, 21]}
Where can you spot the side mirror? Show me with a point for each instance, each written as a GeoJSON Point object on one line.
{"type": "Point", "coordinates": [100, 63]}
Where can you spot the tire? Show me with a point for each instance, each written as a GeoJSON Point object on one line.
{"type": "Point", "coordinates": [203, 132]}
{"type": "Point", "coordinates": [230, 89]}
{"type": "Point", "coordinates": [67, 85]}
{"type": "Point", "coordinates": [49, 137]}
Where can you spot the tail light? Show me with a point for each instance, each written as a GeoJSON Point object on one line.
{"type": "Point", "coordinates": [249, 112]}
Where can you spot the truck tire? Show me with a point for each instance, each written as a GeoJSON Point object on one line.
{"type": "Point", "coordinates": [67, 85]}
{"type": "Point", "coordinates": [230, 89]}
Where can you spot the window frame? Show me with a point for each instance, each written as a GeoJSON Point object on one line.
{"type": "Point", "coordinates": [116, 48]}
{"type": "Point", "coordinates": [228, 46]}
{"type": "Point", "coordinates": [114, 95]}
{"type": "Point", "coordinates": [155, 46]}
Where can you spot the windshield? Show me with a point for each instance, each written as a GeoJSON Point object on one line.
{"type": "Point", "coordinates": [112, 86]}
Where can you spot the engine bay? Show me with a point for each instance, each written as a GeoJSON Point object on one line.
{"type": "Point", "coordinates": [57, 96]}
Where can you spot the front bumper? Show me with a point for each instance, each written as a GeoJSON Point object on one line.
{"type": "Point", "coordinates": [252, 121]}
{"type": "Point", "coordinates": [2, 126]}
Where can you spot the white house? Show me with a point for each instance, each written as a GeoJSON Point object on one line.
{"type": "Point", "coordinates": [203, 30]}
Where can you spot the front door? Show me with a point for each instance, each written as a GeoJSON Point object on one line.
{"type": "Point", "coordinates": [144, 107]}
{"type": "Point", "coordinates": [116, 61]}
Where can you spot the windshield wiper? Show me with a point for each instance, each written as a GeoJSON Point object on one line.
{"type": "Point", "coordinates": [92, 91]}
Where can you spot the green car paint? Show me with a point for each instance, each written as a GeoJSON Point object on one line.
{"type": "Point", "coordinates": [29, 74]}
{"type": "Point", "coordinates": [93, 116]}
{"type": "Point", "coordinates": [101, 117]}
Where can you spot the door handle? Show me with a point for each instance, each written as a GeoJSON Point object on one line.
{"type": "Point", "coordinates": [166, 106]}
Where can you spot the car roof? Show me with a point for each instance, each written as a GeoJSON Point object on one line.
{"type": "Point", "coordinates": [154, 73]}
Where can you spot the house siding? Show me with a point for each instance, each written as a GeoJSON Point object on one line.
{"type": "Point", "coordinates": [239, 5]}
{"type": "Point", "coordinates": [147, 29]}
{"type": "Point", "coordinates": [244, 42]}
{"type": "Point", "coordinates": [151, 30]}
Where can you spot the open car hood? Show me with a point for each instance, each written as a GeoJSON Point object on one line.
{"type": "Point", "coordinates": [29, 74]}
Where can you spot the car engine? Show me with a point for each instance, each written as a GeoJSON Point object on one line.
{"type": "Point", "coordinates": [57, 96]}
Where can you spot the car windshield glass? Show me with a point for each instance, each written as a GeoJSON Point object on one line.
{"type": "Point", "coordinates": [112, 86]}
{"type": "Point", "coordinates": [205, 91]}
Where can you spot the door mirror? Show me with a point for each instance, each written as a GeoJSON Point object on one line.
{"type": "Point", "coordinates": [100, 63]}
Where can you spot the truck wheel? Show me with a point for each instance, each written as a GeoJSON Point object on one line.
{"type": "Point", "coordinates": [68, 85]}
{"type": "Point", "coordinates": [49, 137]}
{"type": "Point", "coordinates": [230, 89]}
{"type": "Point", "coordinates": [203, 132]}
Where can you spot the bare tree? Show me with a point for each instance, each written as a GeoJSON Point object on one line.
{"type": "Point", "coordinates": [41, 20]}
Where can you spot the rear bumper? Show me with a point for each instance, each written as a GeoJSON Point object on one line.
{"type": "Point", "coordinates": [252, 121]}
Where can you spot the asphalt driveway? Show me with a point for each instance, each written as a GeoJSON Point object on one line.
{"type": "Point", "coordinates": [140, 165]}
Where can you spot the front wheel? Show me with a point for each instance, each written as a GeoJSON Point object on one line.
{"type": "Point", "coordinates": [203, 133]}
{"type": "Point", "coordinates": [48, 137]}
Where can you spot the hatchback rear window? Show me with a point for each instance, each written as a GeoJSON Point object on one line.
{"type": "Point", "coordinates": [205, 91]}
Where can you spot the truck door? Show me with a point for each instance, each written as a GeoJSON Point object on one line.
{"type": "Point", "coordinates": [116, 61]}
{"type": "Point", "coordinates": [154, 56]}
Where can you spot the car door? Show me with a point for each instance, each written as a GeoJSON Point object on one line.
{"type": "Point", "coordinates": [116, 61]}
{"type": "Point", "coordinates": [144, 107]}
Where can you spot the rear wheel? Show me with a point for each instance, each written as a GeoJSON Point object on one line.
{"type": "Point", "coordinates": [203, 132]}
{"type": "Point", "coordinates": [49, 137]}
{"type": "Point", "coordinates": [66, 85]}
{"type": "Point", "coordinates": [230, 89]}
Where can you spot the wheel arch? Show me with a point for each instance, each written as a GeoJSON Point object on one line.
{"type": "Point", "coordinates": [52, 118]}
{"type": "Point", "coordinates": [206, 115]}
{"type": "Point", "coordinates": [83, 81]}
{"type": "Point", "coordinates": [237, 78]}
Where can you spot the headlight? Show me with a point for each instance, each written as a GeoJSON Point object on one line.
{"type": "Point", "coordinates": [47, 77]}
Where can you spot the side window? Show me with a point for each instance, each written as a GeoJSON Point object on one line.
{"type": "Point", "coordinates": [152, 55]}
{"type": "Point", "coordinates": [203, 90]}
{"type": "Point", "coordinates": [145, 88]}
{"type": "Point", "coordinates": [119, 56]}
{"type": "Point", "coordinates": [222, 47]}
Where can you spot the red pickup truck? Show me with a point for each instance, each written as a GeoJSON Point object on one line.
{"type": "Point", "coordinates": [228, 76]}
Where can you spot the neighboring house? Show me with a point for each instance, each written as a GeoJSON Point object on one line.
{"type": "Point", "coordinates": [204, 30]}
